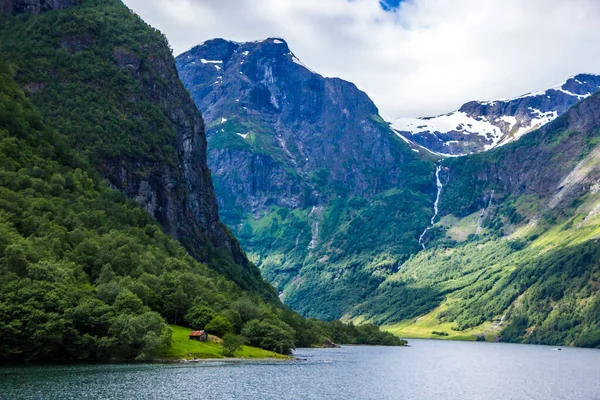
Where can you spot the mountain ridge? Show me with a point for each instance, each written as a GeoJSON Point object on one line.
{"type": "Point", "coordinates": [161, 160]}
{"type": "Point", "coordinates": [483, 125]}
{"type": "Point", "coordinates": [273, 127]}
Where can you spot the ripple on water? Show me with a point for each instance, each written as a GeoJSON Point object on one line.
{"type": "Point", "coordinates": [426, 370]}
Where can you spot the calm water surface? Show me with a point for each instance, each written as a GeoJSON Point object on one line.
{"type": "Point", "coordinates": [426, 370]}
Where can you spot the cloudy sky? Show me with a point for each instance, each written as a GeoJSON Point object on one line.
{"type": "Point", "coordinates": [413, 57]}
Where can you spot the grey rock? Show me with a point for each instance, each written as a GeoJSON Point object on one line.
{"type": "Point", "coordinates": [308, 125]}
{"type": "Point", "coordinates": [529, 112]}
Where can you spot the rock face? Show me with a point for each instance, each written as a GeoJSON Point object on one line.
{"type": "Point", "coordinates": [304, 171]}
{"type": "Point", "coordinates": [541, 164]}
{"type": "Point", "coordinates": [130, 113]}
{"type": "Point", "coordinates": [34, 6]}
{"type": "Point", "coordinates": [478, 126]}
{"type": "Point", "coordinates": [180, 196]}
{"type": "Point", "coordinates": [277, 129]}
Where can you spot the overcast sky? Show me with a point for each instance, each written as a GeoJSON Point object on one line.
{"type": "Point", "coordinates": [423, 58]}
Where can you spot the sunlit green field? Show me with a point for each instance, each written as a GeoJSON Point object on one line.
{"type": "Point", "coordinates": [183, 348]}
{"type": "Point", "coordinates": [430, 327]}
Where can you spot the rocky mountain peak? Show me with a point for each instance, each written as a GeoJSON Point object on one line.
{"type": "Point", "coordinates": [483, 125]}
{"type": "Point", "coordinates": [288, 148]}
{"type": "Point", "coordinates": [215, 50]}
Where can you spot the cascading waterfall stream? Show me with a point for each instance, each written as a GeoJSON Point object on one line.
{"type": "Point", "coordinates": [435, 205]}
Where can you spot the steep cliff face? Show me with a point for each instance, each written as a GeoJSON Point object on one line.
{"type": "Point", "coordinates": [304, 168]}
{"type": "Point", "coordinates": [109, 82]}
{"type": "Point", "coordinates": [273, 123]}
{"type": "Point", "coordinates": [483, 125]}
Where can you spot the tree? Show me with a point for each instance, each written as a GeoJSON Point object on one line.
{"type": "Point", "coordinates": [235, 319]}
{"type": "Point", "coordinates": [142, 337]}
{"type": "Point", "coordinates": [219, 326]}
{"type": "Point", "coordinates": [231, 344]}
{"type": "Point", "coordinates": [270, 334]}
{"type": "Point", "coordinates": [247, 309]}
{"type": "Point", "coordinates": [199, 316]}
{"type": "Point", "coordinates": [128, 303]}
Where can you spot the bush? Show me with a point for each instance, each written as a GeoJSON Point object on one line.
{"type": "Point", "coordinates": [270, 334]}
{"type": "Point", "coordinates": [219, 326]}
{"type": "Point", "coordinates": [231, 344]}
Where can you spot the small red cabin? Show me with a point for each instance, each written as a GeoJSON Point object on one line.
{"type": "Point", "coordinates": [200, 336]}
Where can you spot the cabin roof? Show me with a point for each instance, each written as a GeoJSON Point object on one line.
{"type": "Point", "coordinates": [196, 333]}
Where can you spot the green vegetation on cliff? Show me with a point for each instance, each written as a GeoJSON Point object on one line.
{"type": "Point", "coordinates": [85, 273]}
{"type": "Point", "coordinates": [525, 266]}
{"type": "Point", "coordinates": [107, 81]}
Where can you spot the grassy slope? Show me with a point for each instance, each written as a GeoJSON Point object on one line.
{"type": "Point", "coordinates": [183, 348]}
{"type": "Point", "coordinates": [424, 327]}
{"type": "Point", "coordinates": [531, 273]}
{"type": "Point", "coordinates": [572, 303]}
{"type": "Point", "coordinates": [359, 243]}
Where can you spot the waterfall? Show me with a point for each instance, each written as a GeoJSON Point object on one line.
{"type": "Point", "coordinates": [435, 205]}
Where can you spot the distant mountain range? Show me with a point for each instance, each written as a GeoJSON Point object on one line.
{"type": "Point", "coordinates": [483, 125]}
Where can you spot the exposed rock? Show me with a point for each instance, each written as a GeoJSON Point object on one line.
{"type": "Point", "coordinates": [330, 345]}
{"type": "Point", "coordinates": [482, 125]}
{"type": "Point", "coordinates": [77, 43]}
{"type": "Point", "coordinates": [127, 59]}
{"type": "Point", "coordinates": [308, 125]}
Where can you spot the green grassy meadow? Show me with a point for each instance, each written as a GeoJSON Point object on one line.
{"type": "Point", "coordinates": [183, 348]}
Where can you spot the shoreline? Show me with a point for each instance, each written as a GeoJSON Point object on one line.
{"type": "Point", "coordinates": [154, 361]}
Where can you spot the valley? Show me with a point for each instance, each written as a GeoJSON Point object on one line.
{"type": "Point", "coordinates": [231, 188]}
{"type": "Point", "coordinates": [451, 248]}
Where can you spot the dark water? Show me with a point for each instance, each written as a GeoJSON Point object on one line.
{"type": "Point", "coordinates": [426, 370]}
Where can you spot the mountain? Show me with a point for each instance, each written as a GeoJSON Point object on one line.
{"type": "Point", "coordinates": [515, 253]}
{"type": "Point", "coordinates": [324, 196]}
{"type": "Point", "coordinates": [102, 164]}
{"type": "Point", "coordinates": [483, 125]}
{"type": "Point", "coordinates": [107, 81]}
{"type": "Point", "coordinates": [346, 220]}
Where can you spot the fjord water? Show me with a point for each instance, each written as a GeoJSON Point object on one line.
{"type": "Point", "coordinates": [426, 370]}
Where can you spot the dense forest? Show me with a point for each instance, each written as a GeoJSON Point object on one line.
{"type": "Point", "coordinates": [86, 273]}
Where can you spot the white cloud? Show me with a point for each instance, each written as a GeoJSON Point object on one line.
{"type": "Point", "coordinates": [427, 58]}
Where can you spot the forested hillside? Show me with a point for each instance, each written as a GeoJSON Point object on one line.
{"type": "Point", "coordinates": [109, 228]}
{"type": "Point", "coordinates": [515, 255]}
{"type": "Point", "coordinates": [85, 272]}
{"type": "Point", "coordinates": [107, 81]}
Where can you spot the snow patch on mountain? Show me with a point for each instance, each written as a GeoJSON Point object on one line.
{"type": "Point", "coordinates": [203, 61]}
{"type": "Point", "coordinates": [483, 125]}
{"type": "Point", "coordinates": [457, 121]}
